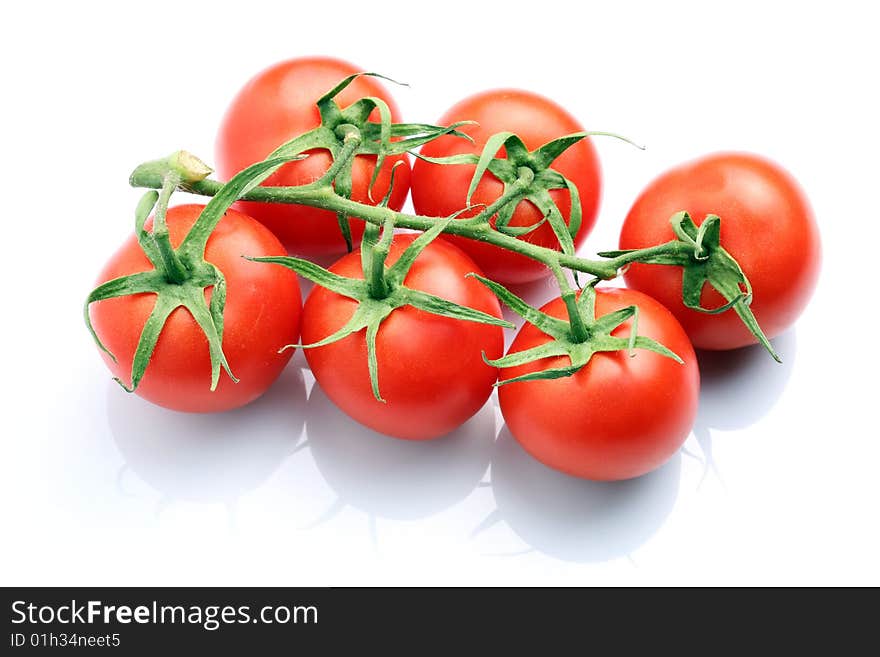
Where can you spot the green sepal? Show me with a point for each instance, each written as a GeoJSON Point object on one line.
{"type": "Point", "coordinates": [140, 283]}
{"type": "Point", "coordinates": [416, 129]}
{"type": "Point", "coordinates": [418, 134]}
{"type": "Point", "coordinates": [206, 319]}
{"type": "Point", "coordinates": [504, 217]}
{"type": "Point", "coordinates": [564, 342]}
{"type": "Point", "coordinates": [169, 296]}
{"type": "Point", "coordinates": [552, 326]}
{"type": "Point", "coordinates": [149, 337]}
{"type": "Point", "coordinates": [698, 251]}
{"type": "Point", "coordinates": [550, 210]}
{"type": "Point", "coordinates": [515, 231]}
{"type": "Point", "coordinates": [142, 212]}
{"type": "Point", "coordinates": [460, 158]}
{"type": "Point", "coordinates": [372, 358]}
{"type": "Point", "coordinates": [439, 306]}
{"type": "Point", "coordinates": [576, 214]}
{"type": "Point", "coordinates": [384, 141]}
{"type": "Point", "coordinates": [493, 145]}
{"type": "Point", "coordinates": [318, 138]}
{"type": "Point", "coordinates": [547, 350]}
{"type": "Point", "coordinates": [677, 258]}
{"type": "Point", "coordinates": [546, 154]}
{"type": "Point", "coordinates": [324, 102]}
{"type": "Point", "coordinates": [353, 288]}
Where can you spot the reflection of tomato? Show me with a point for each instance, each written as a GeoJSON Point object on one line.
{"type": "Point", "coordinates": [277, 105]}
{"type": "Point", "coordinates": [575, 519]}
{"type": "Point", "coordinates": [441, 190]}
{"type": "Point", "coordinates": [766, 225]}
{"type": "Point", "coordinates": [391, 478]}
{"type": "Point", "coordinates": [619, 416]}
{"type": "Point", "coordinates": [209, 457]}
{"type": "Point", "coordinates": [262, 315]}
{"type": "Point", "coordinates": [431, 372]}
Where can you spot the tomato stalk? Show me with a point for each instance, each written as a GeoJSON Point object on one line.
{"type": "Point", "coordinates": [577, 324]}
{"type": "Point", "coordinates": [174, 269]}
{"type": "Point", "coordinates": [374, 252]}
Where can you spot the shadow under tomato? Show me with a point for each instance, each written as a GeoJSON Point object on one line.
{"type": "Point", "coordinates": [393, 478]}
{"type": "Point", "coordinates": [574, 519]}
{"type": "Point", "coordinates": [207, 457]}
{"type": "Point", "coordinates": [738, 388]}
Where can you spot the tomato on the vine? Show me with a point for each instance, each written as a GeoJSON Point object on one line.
{"type": "Point", "coordinates": [767, 225]}
{"type": "Point", "coordinates": [262, 315]}
{"type": "Point", "coordinates": [431, 371]}
{"type": "Point", "coordinates": [441, 190]}
{"type": "Point", "coordinates": [277, 105]}
{"type": "Point", "coordinates": [621, 415]}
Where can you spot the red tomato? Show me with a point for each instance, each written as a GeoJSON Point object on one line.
{"type": "Point", "coordinates": [263, 308]}
{"type": "Point", "coordinates": [619, 416]}
{"type": "Point", "coordinates": [441, 190]}
{"type": "Point", "coordinates": [766, 225]}
{"type": "Point", "coordinates": [431, 372]}
{"type": "Point", "coordinates": [278, 105]}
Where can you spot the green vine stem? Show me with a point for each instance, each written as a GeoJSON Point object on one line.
{"type": "Point", "coordinates": [323, 196]}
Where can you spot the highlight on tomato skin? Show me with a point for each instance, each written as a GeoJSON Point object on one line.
{"type": "Point", "coordinates": [277, 105]}
{"type": "Point", "coordinates": [767, 225]}
{"type": "Point", "coordinates": [441, 190]}
{"type": "Point", "coordinates": [431, 371]}
{"type": "Point", "coordinates": [262, 314]}
{"type": "Point", "coordinates": [622, 415]}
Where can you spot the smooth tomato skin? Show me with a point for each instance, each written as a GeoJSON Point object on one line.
{"type": "Point", "coordinates": [263, 309]}
{"type": "Point", "coordinates": [441, 190]}
{"type": "Point", "coordinates": [431, 372]}
{"type": "Point", "coordinates": [277, 105]}
{"type": "Point", "coordinates": [767, 225]}
{"type": "Point", "coordinates": [619, 417]}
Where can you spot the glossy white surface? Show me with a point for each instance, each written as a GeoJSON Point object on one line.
{"type": "Point", "coordinates": [777, 485]}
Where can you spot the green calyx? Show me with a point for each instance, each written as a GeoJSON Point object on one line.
{"type": "Point", "coordinates": [346, 133]}
{"type": "Point", "coordinates": [382, 290]}
{"type": "Point", "coordinates": [698, 251]}
{"type": "Point", "coordinates": [179, 276]}
{"type": "Point", "coordinates": [579, 338]}
{"type": "Point", "coordinates": [526, 176]}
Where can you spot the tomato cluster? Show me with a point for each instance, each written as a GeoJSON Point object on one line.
{"type": "Point", "coordinates": [621, 412]}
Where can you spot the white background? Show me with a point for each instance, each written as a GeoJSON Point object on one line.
{"type": "Point", "coordinates": [778, 484]}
